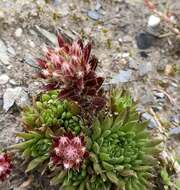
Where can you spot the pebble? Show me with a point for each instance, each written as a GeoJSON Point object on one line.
{"type": "Point", "coordinates": [145, 68]}
{"type": "Point", "coordinates": [93, 15]}
{"type": "Point", "coordinates": [175, 119]}
{"type": "Point", "coordinates": [18, 32]}
{"type": "Point", "coordinates": [153, 21]}
{"type": "Point", "coordinates": [122, 77]}
{"type": "Point", "coordinates": [168, 70]}
{"type": "Point", "coordinates": [11, 50]}
{"type": "Point", "coordinates": [175, 131]}
{"type": "Point", "coordinates": [127, 39]}
{"type": "Point", "coordinates": [28, 59]}
{"type": "Point", "coordinates": [98, 5]}
{"type": "Point", "coordinates": [12, 82]}
{"type": "Point", "coordinates": [147, 98]}
{"type": "Point", "coordinates": [159, 95]}
{"type": "Point", "coordinates": [32, 44]}
{"type": "Point", "coordinates": [48, 35]}
{"type": "Point", "coordinates": [144, 40]}
{"type": "Point", "coordinates": [57, 3]}
{"type": "Point", "coordinates": [4, 58]}
{"type": "Point", "coordinates": [157, 108]}
{"type": "Point", "coordinates": [13, 95]}
{"type": "Point", "coordinates": [2, 15]}
{"type": "Point", "coordinates": [23, 99]}
{"type": "Point", "coordinates": [152, 123]}
{"type": "Point", "coordinates": [132, 64]}
{"type": "Point", "coordinates": [4, 79]}
{"type": "Point", "coordinates": [125, 55]}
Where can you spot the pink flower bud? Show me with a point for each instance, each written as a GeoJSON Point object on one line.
{"type": "Point", "coordinates": [5, 166]}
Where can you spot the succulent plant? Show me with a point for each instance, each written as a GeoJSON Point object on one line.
{"type": "Point", "coordinates": [5, 166]}
{"type": "Point", "coordinates": [49, 111]}
{"type": "Point", "coordinates": [70, 68]}
{"type": "Point", "coordinates": [114, 150]}
{"type": "Point", "coordinates": [79, 180]}
{"type": "Point", "coordinates": [123, 151]}
{"type": "Point", "coordinates": [121, 102]}
{"type": "Point", "coordinates": [35, 146]}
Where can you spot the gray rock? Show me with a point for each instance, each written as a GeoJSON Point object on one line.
{"type": "Point", "coordinates": [93, 15]}
{"type": "Point", "coordinates": [18, 32]}
{"type": "Point", "coordinates": [147, 98]}
{"type": "Point", "coordinates": [144, 40]}
{"type": "Point", "coordinates": [122, 77]}
{"type": "Point", "coordinates": [175, 131]}
{"type": "Point", "coordinates": [152, 123]}
{"type": "Point", "coordinates": [2, 15]}
{"type": "Point", "coordinates": [29, 60]}
{"type": "Point", "coordinates": [12, 82]}
{"type": "Point", "coordinates": [145, 68]}
{"type": "Point", "coordinates": [175, 119]}
{"type": "Point", "coordinates": [127, 39]}
{"type": "Point", "coordinates": [50, 36]}
{"type": "Point", "coordinates": [133, 64]}
{"type": "Point", "coordinates": [13, 95]}
{"type": "Point", "coordinates": [3, 79]}
{"type": "Point", "coordinates": [159, 95]}
{"type": "Point", "coordinates": [57, 2]}
{"type": "Point", "coordinates": [98, 5]}
{"type": "Point", "coordinates": [23, 99]}
{"type": "Point", "coordinates": [4, 58]}
{"type": "Point", "coordinates": [11, 50]}
{"type": "Point", "coordinates": [9, 97]}
{"type": "Point", "coordinates": [153, 21]}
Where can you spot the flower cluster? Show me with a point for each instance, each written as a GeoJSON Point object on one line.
{"type": "Point", "coordinates": [70, 68]}
{"type": "Point", "coordinates": [69, 151]}
{"type": "Point", "coordinates": [5, 166]}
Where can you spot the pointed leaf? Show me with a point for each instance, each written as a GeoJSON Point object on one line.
{"type": "Point", "coordinates": [28, 136]}
{"type": "Point", "coordinates": [107, 123]}
{"type": "Point", "coordinates": [97, 168]}
{"type": "Point", "coordinates": [96, 129]}
{"type": "Point", "coordinates": [37, 161]}
{"type": "Point", "coordinates": [128, 173]}
{"type": "Point", "coordinates": [96, 147]}
{"type": "Point", "coordinates": [107, 166]}
{"type": "Point", "coordinates": [114, 179]}
{"type": "Point", "coordinates": [58, 178]}
{"type": "Point", "coordinates": [22, 145]}
{"type": "Point", "coordinates": [82, 186]}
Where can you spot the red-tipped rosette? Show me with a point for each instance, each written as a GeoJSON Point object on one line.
{"type": "Point", "coordinates": [69, 151]}
{"type": "Point", "coordinates": [5, 166]}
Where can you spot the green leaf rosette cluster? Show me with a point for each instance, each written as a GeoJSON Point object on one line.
{"type": "Point", "coordinates": [50, 111]}
{"type": "Point", "coordinates": [81, 137]}
{"type": "Point", "coordinates": [121, 152]}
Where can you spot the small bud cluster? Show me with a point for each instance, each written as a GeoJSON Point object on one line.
{"type": "Point", "coordinates": [5, 166]}
{"type": "Point", "coordinates": [69, 151]}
